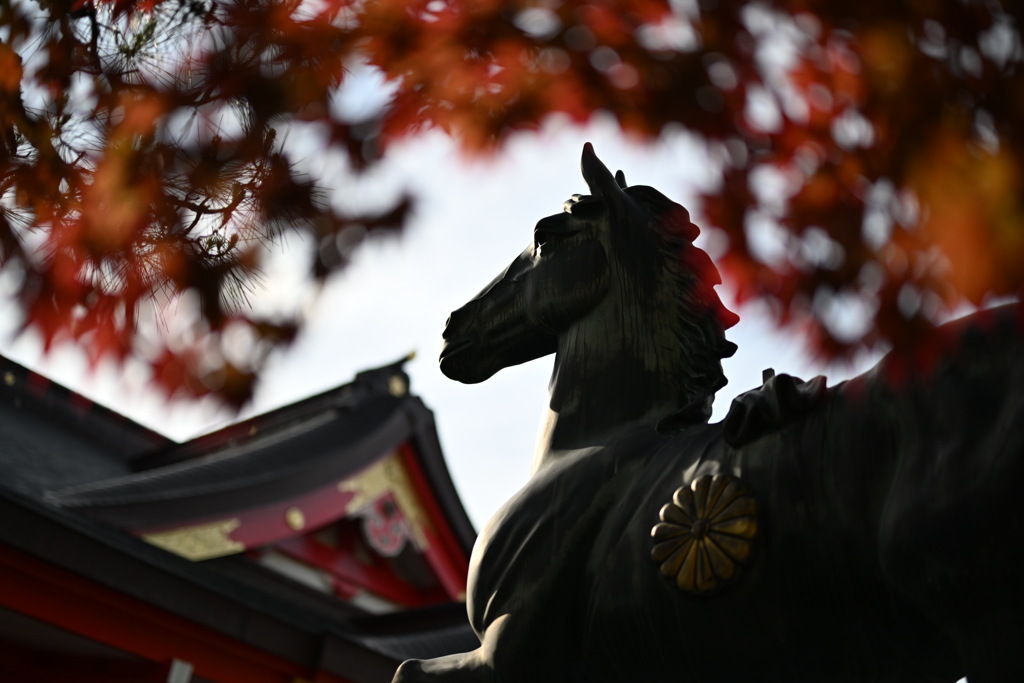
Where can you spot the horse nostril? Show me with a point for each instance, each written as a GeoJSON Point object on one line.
{"type": "Point", "coordinates": [457, 320]}
{"type": "Point", "coordinates": [448, 326]}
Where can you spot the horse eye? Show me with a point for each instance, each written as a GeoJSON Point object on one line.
{"type": "Point", "coordinates": [585, 207]}
{"type": "Point", "coordinates": [541, 237]}
{"type": "Point", "coordinates": [571, 201]}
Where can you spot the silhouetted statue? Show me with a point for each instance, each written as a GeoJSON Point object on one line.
{"type": "Point", "coordinates": [870, 531]}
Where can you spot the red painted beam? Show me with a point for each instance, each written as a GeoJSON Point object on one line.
{"type": "Point", "coordinates": [444, 553]}
{"type": "Point", "coordinates": [20, 663]}
{"type": "Point", "coordinates": [65, 600]}
{"type": "Point", "coordinates": [344, 567]}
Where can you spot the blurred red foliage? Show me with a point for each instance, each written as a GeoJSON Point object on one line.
{"type": "Point", "coordinates": [143, 155]}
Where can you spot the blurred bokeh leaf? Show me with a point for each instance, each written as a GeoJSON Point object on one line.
{"type": "Point", "coordinates": [144, 148]}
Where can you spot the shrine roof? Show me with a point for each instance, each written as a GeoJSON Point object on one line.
{"type": "Point", "coordinates": [274, 457]}
{"type": "Point", "coordinates": [77, 480]}
{"type": "Point", "coordinates": [54, 437]}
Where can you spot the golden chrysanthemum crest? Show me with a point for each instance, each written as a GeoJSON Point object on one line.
{"type": "Point", "coordinates": [707, 533]}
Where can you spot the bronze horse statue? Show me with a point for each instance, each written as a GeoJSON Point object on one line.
{"type": "Point", "coordinates": [870, 531]}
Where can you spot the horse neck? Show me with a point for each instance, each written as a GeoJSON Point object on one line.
{"type": "Point", "coordinates": [614, 371]}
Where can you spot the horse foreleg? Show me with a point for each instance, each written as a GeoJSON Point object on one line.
{"type": "Point", "coordinates": [468, 667]}
{"type": "Point", "coordinates": [992, 649]}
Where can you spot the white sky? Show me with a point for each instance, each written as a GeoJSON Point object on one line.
{"type": "Point", "coordinates": [472, 220]}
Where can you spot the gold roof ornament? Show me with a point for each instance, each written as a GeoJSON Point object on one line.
{"type": "Point", "coordinates": [295, 518]}
{"type": "Point", "coordinates": [388, 475]}
{"type": "Point", "coordinates": [199, 541]}
{"type": "Point", "coordinates": [706, 534]}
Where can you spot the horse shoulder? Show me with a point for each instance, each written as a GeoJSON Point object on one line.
{"type": "Point", "coordinates": [540, 539]}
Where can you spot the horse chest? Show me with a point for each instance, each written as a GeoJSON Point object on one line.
{"type": "Point", "coordinates": [537, 547]}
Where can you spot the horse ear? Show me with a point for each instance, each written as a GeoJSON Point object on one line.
{"type": "Point", "coordinates": [600, 180]}
{"type": "Point", "coordinates": [620, 179]}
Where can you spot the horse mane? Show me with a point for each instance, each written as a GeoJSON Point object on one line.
{"type": "Point", "coordinates": [702, 318]}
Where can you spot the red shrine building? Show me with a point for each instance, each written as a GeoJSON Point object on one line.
{"type": "Point", "coordinates": [322, 542]}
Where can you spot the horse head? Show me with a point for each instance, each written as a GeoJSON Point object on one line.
{"type": "Point", "coordinates": [610, 283]}
{"type": "Point", "coordinates": [558, 278]}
